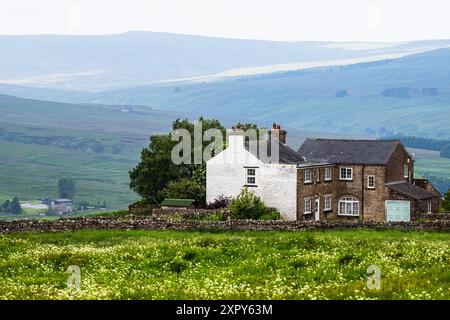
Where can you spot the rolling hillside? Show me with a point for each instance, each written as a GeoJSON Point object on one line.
{"type": "Point", "coordinates": [42, 141]}
{"type": "Point", "coordinates": [409, 95]}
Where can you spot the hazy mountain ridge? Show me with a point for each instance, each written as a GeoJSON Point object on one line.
{"type": "Point", "coordinates": [93, 62]}
{"type": "Point", "coordinates": [409, 95]}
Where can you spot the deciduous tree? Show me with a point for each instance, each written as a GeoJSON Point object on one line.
{"type": "Point", "coordinates": [67, 188]}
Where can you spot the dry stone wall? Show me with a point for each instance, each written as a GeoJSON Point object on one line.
{"type": "Point", "coordinates": [152, 223]}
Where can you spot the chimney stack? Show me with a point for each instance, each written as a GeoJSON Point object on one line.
{"type": "Point", "coordinates": [235, 136]}
{"type": "Point", "coordinates": [281, 132]}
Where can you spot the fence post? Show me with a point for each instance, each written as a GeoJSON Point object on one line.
{"type": "Point", "coordinates": [228, 219]}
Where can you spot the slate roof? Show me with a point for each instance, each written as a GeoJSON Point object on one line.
{"type": "Point", "coordinates": [340, 151]}
{"type": "Point", "coordinates": [410, 190]}
{"type": "Point", "coordinates": [287, 155]}
{"type": "Point", "coordinates": [177, 202]}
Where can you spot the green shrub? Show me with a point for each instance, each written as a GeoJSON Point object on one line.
{"type": "Point", "coordinates": [272, 214]}
{"type": "Point", "coordinates": [248, 205]}
{"type": "Point", "coordinates": [185, 189]}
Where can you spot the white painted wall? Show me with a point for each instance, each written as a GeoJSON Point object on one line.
{"type": "Point", "coordinates": [276, 183]}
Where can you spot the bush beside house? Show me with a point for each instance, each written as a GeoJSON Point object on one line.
{"type": "Point", "coordinates": [184, 189]}
{"type": "Point", "coordinates": [248, 205]}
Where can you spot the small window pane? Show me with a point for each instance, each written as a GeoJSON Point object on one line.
{"type": "Point", "coordinates": [327, 173]}
{"type": "Point", "coordinates": [342, 207]}
{"type": "Point", "coordinates": [251, 176]}
{"type": "Point", "coordinates": [346, 173]}
{"type": "Point", "coordinates": [307, 175]}
{"type": "Point", "coordinates": [327, 203]}
{"type": "Point", "coordinates": [307, 207]}
{"type": "Point", "coordinates": [371, 182]}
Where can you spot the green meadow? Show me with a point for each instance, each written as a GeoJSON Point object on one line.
{"type": "Point", "coordinates": [32, 172]}
{"type": "Point", "coordinates": [226, 265]}
{"type": "Point", "coordinates": [42, 141]}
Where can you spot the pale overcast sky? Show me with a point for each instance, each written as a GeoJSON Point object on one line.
{"type": "Point", "coordinates": [343, 20]}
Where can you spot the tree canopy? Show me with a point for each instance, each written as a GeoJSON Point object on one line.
{"type": "Point", "coordinates": [13, 206]}
{"type": "Point", "coordinates": [67, 188]}
{"type": "Point", "coordinates": [446, 201]}
{"type": "Point", "coordinates": [156, 169]}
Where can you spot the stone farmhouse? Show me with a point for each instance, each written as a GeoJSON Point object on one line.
{"type": "Point", "coordinates": [325, 178]}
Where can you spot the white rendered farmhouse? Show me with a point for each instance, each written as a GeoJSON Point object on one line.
{"type": "Point", "coordinates": [239, 165]}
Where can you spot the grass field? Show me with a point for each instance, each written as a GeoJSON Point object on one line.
{"type": "Point", "coordinates": [224, 265]}
{"type": "Point", "coordinates": [32, 171]}
{"type": "Point", "coordinates": [428, 164]}
{"type": "Point", "coordinates": [41, 142]}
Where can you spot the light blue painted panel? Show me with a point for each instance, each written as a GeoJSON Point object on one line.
{"type": "Point", "coordinates": [398, 210]}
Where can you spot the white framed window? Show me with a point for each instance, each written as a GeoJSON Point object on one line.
{"type": "Point", "coordinates": [327, 174]}
{"type": "Point", "coordinates": [327, 202]}
{"type": "Point", "coordinates": [429, 206]}
{"type": "Point", "coordinates": [318, 175]}
{"type": "Point", "coordinates": [250, 178]}
{"type": "Point", "coordinates": [307, 206]}
{"type": "Point", "coordinates": [307, 176]}
{"type": "Point", "coordinates": [371, 182]}
{"type": "Point", "coordinates": [406, 171]}
{"type": "Point", "coordinates": [348, 206]}
{"type": "Point", "coordinates": [346, 173]}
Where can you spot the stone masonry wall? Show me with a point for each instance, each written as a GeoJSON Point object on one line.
{"type": "Point", "coordinates": [394, 167]}
{"type": "Point", "coordinates": [371, 200]}
{"type": "Point", "coordinates": [149, 223]}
